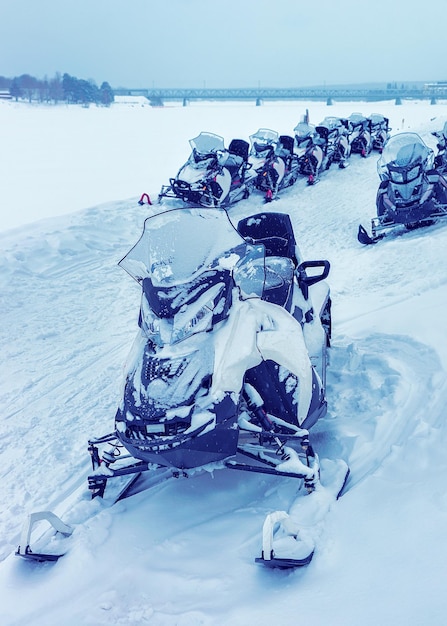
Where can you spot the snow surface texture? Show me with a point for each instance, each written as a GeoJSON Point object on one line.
{"type": "Point", "coordinates": [184, 553]}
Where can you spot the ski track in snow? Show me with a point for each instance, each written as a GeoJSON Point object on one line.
{"type": "Point", "coordinates": [69, 315]}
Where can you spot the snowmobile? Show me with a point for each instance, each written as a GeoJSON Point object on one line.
{"type": "Point", "coordinates": [360, 134]}
{"type": "Point", "coordinates": [274, 166]}
{"type": "Point", "coordinates": [334, 138]}
{"type": "Point", "coordinates": [228, 369]}
{"type": "Point", "coordinates": [380, 131]}
{"type": "Point", "coordinates": [411, 193]}
{"type": "Point", "coordinates": [441, 156]}
{"type": "Point", "coordinates": [212, 176]}
{"type": "Point", "coordinates": [309, 151]}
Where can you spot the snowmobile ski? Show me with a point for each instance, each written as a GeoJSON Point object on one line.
{"type": "Point", "coordinates": [24, 549]}
{"type": "Point", "coordinates": [364, 238]}
{"type": "Point", "coordinates": [288, 539]}
{"type": "Point", "coordinates": [54, 542]}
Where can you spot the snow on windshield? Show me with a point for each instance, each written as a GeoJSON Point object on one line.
{"type": "Point", "coordinates": [207, 142]}
{"type": "Point", "coordinates": [265, 134]}
{"type": "Point", "coordinates": [177, 244]}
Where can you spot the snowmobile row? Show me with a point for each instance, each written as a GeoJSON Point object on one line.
{"type": "Point", "coordinates": [335, 139]}
{"type": "Point", "coordinates": [216, 177]}
{"type": "Point", "coordinates": [228, 368]}
{"type": "Point", "coordinates": [412, 191]}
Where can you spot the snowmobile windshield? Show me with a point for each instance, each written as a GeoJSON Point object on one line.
{"type": "Point", "coordinates": [207, 143]}
{"type": "Point", "coordinates": [404, 158]}
{"type": "Point", "coordinates": [331, 122]}
{"type": "Point", "coordinates": [303, 130]}
{"type": "Point", "coordinates": [264, 140]}
{"type": "Point", "coordinates": [178, 245]}
{"type": "Point", "coordinates": [357, 119]}
{"type": "Point", "coordinates": [377, 119]}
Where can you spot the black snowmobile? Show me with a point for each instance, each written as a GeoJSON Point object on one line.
{"type": "Point", "coordinates": [228, 370]}
{"type": "Point", "coordinates": [411, 193]}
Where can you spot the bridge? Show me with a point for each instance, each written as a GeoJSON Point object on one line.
{"type": "Point", "coordinates": [158, 96]}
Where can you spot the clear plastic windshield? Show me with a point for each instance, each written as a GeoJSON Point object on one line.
{"type": "Point", "coordinates": [331, 122]}
{"type": "Point", "coordinates": [404, 152]}
{"type": "Point", "coordinates": [206, 143]}
{"type": "Point", "coordinates": [303, 130]}
{"type": "Point", "coordinates": [357, 118]}
{"type": "Point", "coordinates": [377, 119]}
{"type": "Point", "coordinates": [265, 136]}
{"type": "Point", "coordinates": [178, 245]}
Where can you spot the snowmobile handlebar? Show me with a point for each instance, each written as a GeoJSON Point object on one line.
{"type": "Point", "coordinates": [305, 281]}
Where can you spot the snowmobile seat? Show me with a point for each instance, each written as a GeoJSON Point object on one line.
{"type": "Point", "coordinates": [233, 163]}
{"type": "Point", "coordinates": [286, 143]}
{"type": "Point", "coordinates": [285, 148]}
{"type": "Point", "coordinates": [239, 147]}
{"type": "Point", "coordinates": [274, 230]}
{"type": "Point", "coordinates": [323, 132]}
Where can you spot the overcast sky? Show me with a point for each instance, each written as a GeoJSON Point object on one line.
{"type": "Point", "coordinates": [230, 43]}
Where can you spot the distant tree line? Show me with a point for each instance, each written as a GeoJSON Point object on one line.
{"type": "Point", "coordinates": [66, 89]}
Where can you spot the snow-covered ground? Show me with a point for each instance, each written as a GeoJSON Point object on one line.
{"type": "Point", "coordinates": [183, 554]}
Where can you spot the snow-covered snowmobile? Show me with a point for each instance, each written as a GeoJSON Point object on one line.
{"type": "Point", "coordinates": [411, 193]}
{"type": "Point", "coordinates": [309, 151]}
{"type": "Point", "coordinates": [334, 138]}
{"type": "Point", "coordinates": [441, 155]}
{"type": "Point", "coordinates": [273, 164]}
{"type": "Point", "coordinates": [380, 131]}
{"type": "Point", "coordinates": [228, 369]}
{"type": "Point", "coordinates": [212, 176]}
{"type": "Point", "coordinates": [360, 134]}
{"type": "Point", "coordinates": [230, 357]}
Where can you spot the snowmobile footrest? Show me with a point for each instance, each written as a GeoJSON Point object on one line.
{"type": "Point", "coordinates": [261, 470]}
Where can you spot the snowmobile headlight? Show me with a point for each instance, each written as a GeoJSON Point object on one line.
{"type": "Point", "coordinates": [150, 323]}
{"type": "Point", "coordinates": [197, 317]}
{"type": "Point", "coordinates": [413, 173]}
{"type": "Point", "coordinates": [396, 176]}
{"type": "Point", "coordinates": [200, 322]}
